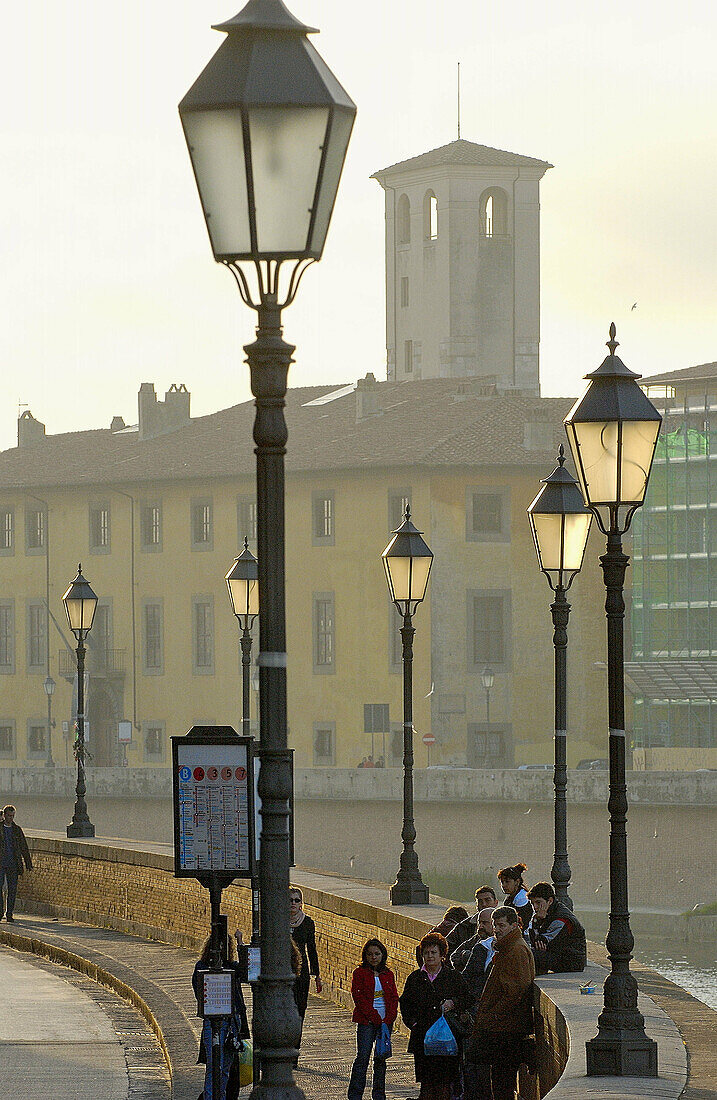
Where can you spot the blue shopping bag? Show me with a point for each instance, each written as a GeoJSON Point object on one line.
{"type": "Point", "coordinates": [440, 1039]}
{"type": "Point", "coordinates": [383, 1042]}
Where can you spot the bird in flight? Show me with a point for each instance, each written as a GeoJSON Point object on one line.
{"type": "Point", "coordinates": [633, 306]}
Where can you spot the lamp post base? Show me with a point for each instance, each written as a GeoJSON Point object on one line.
{"type": "Point", "coordinates": [409, 893]}
{"type": "Point", "coordinates": [80, 829]}
{"type": "Point", "coordinates": [621, 1053]}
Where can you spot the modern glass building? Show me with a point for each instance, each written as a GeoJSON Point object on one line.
{"type": "Point", "coordinates": [672, 670]}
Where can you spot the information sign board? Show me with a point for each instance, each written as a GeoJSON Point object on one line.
{"type": "Point", "coordinates": [217, 992]}
{"type": "Point", "coordinates": [213, 802]}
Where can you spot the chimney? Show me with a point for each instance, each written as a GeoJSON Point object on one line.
{"type": "Point", "coordinates": [29, 430]}
{"type": "Point", "coordinates": [368, 398]}
{"type": "Point", "coordinates": [160, 417]}
{"type": "Point", "coordinates": [117, 424]}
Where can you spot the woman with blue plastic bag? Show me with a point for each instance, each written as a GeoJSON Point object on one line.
{"type": "Point", "coordinates": [375, 996]}
{"type": "Point", "coordinates": [431, 992]}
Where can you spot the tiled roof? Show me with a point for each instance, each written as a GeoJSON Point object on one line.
{"type": "Point", "coordinates": [467, 152]}
{"type": "Point", "coordinates": [430, 423]}
{"type": "Point", "coordinates": [706, 371]}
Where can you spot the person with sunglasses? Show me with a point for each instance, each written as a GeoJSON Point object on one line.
{"type": "Point", "coordinates": [303, 933]}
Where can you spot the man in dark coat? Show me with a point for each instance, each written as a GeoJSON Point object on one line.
{"type": "Point", "coordinates": [555, 935]}
{"type": "Point", "coordinates": [13, 851]}
{"type": "Point", "coordinates": [485, 899]}
{"type": "Point", "coordinates": [475, 955]}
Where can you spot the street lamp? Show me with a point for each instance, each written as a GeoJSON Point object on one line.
{"type": "Point", "coordinates": [407, 561]}
{"type": "Point", "coordinates": [268, 125]}
{"type": "Point", "coordinates": [49, 686]}
{"type": "Point", "coordinates": [243, 587]}
{"type": "Point", "coordinates": [80, 605]}
{"type": "Point", "coordinates": [487, 677]}
{"type": "Point", "coordinates": [612, 430]}
{"type": "Point", "coordinates": [560, 523]}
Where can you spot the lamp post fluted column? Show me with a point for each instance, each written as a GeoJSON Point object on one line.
{"type": "Point", "coordinates": [409, 888]}
{"type": "Point", "coordinates": [560, 873]}
{"type": "Point", "coordinates": [276, 1020]}
{"type": "Point", "coordinates": [80, 826]}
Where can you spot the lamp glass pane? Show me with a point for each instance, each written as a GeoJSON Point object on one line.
{"type": "Point", "coordinates": [638, 446]}
{"type": "Point", "coordinates": [419, 577]}
{"type": "Point", "coordinates": [577, 529]}
{"type": "Point", "coordinates": [338, 144]}
{"type": "Point", "coordinates": [216, 146]}
{"type": "Point", "coordinates": [80, 613]}
{"type": "Point", "coordinates": [253, 603]}
{"type": "Point", "coordinates": [399, 572]}
{"type": "Point", "coordinates": [238, 595]}
{"type": "Point", "coordinates": [286, 144]}
{"type": "Point", "coordinates": [597, 461]}
{"type": "Point", "coordinates": [548, 538]}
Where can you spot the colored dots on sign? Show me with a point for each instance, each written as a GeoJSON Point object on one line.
{"type": "Point", "coordinates": [226, 773]}
{"type": "Point", "coordinates": [240, 773]}
{"type": "Point", "coordinates": [185, 774]}
{"type": "Point", "coordinates": [212, 773]}
{"type": "Point", "coordinates": [198, 774]}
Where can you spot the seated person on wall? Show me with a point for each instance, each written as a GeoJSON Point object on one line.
{"type": "Point", "coordinates": [454, 915]}
{"type": "Point", "coordinates": [474, 956]}
{"type": "Point", "coordinates": [485, 899]}
{"type": "Point", "coordinates": [555, 935]}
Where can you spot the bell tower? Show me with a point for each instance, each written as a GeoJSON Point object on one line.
{"type": "Point", "coordinates": [463, 265]}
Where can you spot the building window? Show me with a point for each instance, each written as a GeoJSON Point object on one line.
{"type": "Point", "coordinates": [430, 217]}
{"type": "Point", "coordinates": [7, 531]}
{"type": "Point", "coordinates": [35, 529]}
{"type": "Point", "coordinates": [153, 742]}
{"type": "Point", "coordinates": [246, 520]}
{"type": "Point", "coordinates": [323, 628]}
{"type": "Point", "coordinates": [408, 356]}
{"type": "Point", "coordinates": [489, 628]}
{"type": "Point", "coordinates": [488, 747]}
{"type": "Point", "coordinates": [99, 639]}
{"type": "Point", "coordinates": [324, 744]}
{"type": "Point", "coordinates": [202, 525]}
{"type": "Point", "coordinates": [203, 634]}
{"type": "Point", "coordinates": [36, 734]}
{"type": "Point", "coordinates": [322, 519]}
{"type": "Point", "coordinates": [494, 213]}
{"type": "Point", "coordinates": [36, 637]}
{"type": "Point", "coordinates": [488, 515]}
{"type": "Point", "coordinates": [7, 740]}
{"type": "Point", "coordinates": [7, 636]}
{"type": "Point", "coordinates": [99, 527]}
{"type": "Point", "coordinates": [151, 526]}
{"type": "Point", "coordinates": [396, 750]}
{"type": "Point", "coordinates": [403, 218]}
{"type": "Point", "coordinates": [153, 640]}
{"type": "Point", "coordinates": [404, 292]}
{"type": "Point", "coordinates": [398, 501]}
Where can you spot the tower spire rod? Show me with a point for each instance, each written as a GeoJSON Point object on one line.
{"type": "Point", "coordinates": [459, 100]}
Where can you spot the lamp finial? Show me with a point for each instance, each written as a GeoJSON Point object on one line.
{"type": "Point", "coordinates": [561, 455]}
{"type": "Point", "coordinates": [246, 542]}
{"type": "Point", "coordinates": [612, 343]}
{"type": "Point", "coordinates": [408, 512]}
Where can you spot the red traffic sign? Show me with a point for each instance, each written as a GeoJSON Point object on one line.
{"type": "Point", "coordinates": [428, 739]}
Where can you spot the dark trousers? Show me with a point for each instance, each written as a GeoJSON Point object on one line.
{"type": "Point", "coordinates": [9, 875]}
{"type": "Point", "coordinates": [366, 1035]}
{"type": "Point", "coordinates": [504, 1079]}
{"type": "Point", "coordinates": [476, 1082]}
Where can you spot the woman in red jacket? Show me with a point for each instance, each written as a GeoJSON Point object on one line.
{"type": "Point", "coordinates": [373, 989]}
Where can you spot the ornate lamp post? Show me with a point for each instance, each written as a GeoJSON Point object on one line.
{"type": "Point", "coordinates": [407, 561]}
{"type": "Point", "coordinates": [80, 606]}
{"type": "Point", "coordinates": [560, 523]}
{"type": "Point", "coordinates": [612, 430]}
{"type": "Point", "coordinates": [243, 587]}
{"type": "Point", "coordinates": [49, 686]}
{"type": "Point", "coordinates": [268, 125]}
{"type": "Point", "coordinates": [487, 677]}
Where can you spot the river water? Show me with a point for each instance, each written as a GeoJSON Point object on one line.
{"type": "Point", "coordinates": [660, 943]}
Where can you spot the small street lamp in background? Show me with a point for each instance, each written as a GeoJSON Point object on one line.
{"type": "Point", "coordinates": [243, 587]}
{"type": "Point", "coordinates": [560, 523]}
{"type": "Point", "coordinates": [487, 677]}
{"type": "Point", "coordinates": [267, 126]}
{"type": "Point", "coordinates": [80, 605]}
{"type": "Point", "coordinates": [407, 561]}
{"type": "Point", "coordinates": [49, 686]}
{"type": "Point", "coordinates": [612, 430]}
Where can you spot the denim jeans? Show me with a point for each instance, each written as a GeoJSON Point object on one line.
{"type": "Point", "coordinates": [366, 1035]}
{"type": "Point", "coordinates": [224, 1063]}
{"type": "Point", "coordinates": [9, 875]}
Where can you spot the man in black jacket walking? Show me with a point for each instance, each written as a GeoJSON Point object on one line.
{"type": "Point", "coordinates": [13, 850]}
{"type": "Point", "coordinates": [555, 935]}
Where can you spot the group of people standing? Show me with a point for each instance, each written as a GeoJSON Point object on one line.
{"type": "Point", "coordinates": [477, 972]}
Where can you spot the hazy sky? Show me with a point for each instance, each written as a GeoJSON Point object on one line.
{"type": "Point", "coordinates": [108, 279]}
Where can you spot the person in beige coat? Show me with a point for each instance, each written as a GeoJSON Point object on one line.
{"type": "Point", "coordinates": [504, 1017]}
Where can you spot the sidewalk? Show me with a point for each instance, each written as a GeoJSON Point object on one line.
{"type": "Point", "coordinates": [160, 976]}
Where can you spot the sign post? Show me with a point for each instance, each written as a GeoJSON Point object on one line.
{"type": "Point", "coordinates": [213, 800]}
{"type": "Point", "coordinates": [428, 740]}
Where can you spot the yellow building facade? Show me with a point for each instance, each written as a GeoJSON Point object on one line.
{"type": "Point", "coordinates": [157, 511]}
